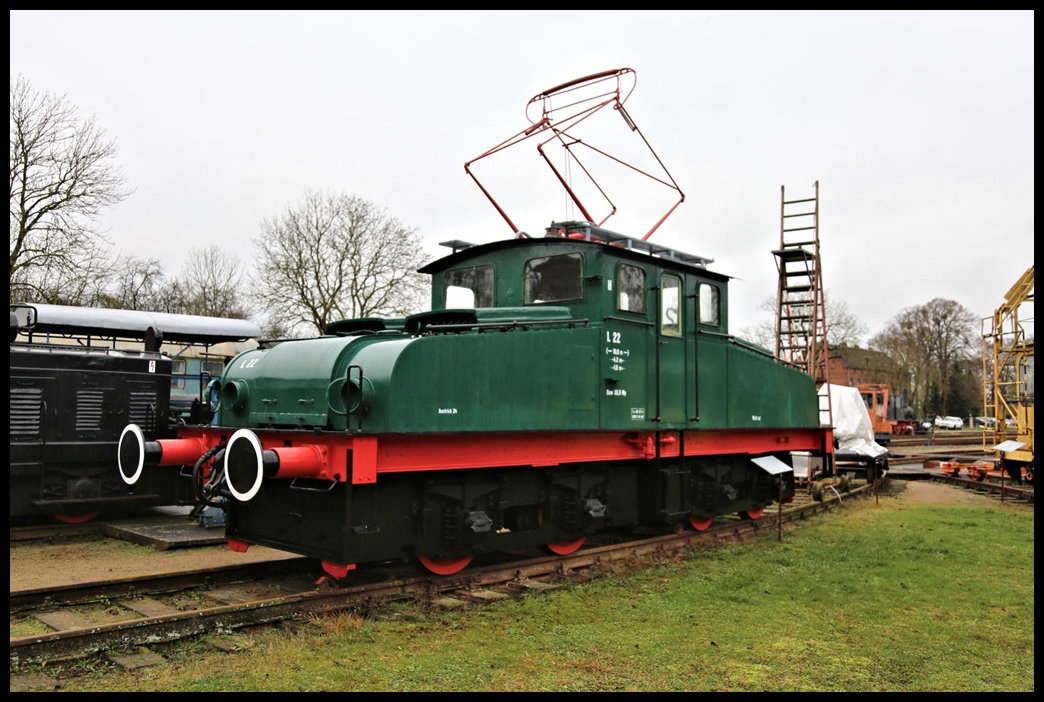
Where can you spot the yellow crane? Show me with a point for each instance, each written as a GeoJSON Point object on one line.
{"type": "Point", "coordinates": [1007, 372]}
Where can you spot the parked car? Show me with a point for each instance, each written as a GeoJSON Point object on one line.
{"type": "Point", "coordinates": [949, 423]}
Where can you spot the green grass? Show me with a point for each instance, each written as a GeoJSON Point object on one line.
{"type": "Point", "coordinates": [896, 596]}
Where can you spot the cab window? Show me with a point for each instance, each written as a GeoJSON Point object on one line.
{"type": "Point", "coordinates": [670, 306]}
{"type": "Point", "coordinates": [469, 287]}
{"type": "Point", "coordinates": [553, 279]}
{"type": "Point", "coordinates": [710, 305]}
{"type": "Point", "coordinates": [178, 371]}
{"type": "Point", "coordinates": [630, 286]}
{"type": "Point", "coordinates": [214, 368]}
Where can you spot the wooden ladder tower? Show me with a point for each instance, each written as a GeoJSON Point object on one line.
{"type": "Point", "coordinates": [801, 325]}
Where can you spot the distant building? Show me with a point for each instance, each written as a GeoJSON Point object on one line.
{"type": "Point", "coordinates": [851, 365]}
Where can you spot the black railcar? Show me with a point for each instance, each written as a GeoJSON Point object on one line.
{"type": "Point", "coordinates": [77, 377]}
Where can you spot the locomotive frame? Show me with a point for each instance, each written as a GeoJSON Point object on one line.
{"type": "Point", "coordinates": [604, 393]}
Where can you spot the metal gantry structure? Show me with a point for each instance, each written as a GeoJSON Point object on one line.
{"type": "Point", "coordinates": [801, 325]}
{"type": "Point", "coordinates": [1007, 371]}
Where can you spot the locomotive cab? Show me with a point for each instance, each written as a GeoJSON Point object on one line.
{"type": "Point", "coordinates": [571, 267]}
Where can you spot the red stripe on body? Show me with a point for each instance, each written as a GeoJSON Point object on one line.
{"type": "Point", "coordinates": [372, 455]}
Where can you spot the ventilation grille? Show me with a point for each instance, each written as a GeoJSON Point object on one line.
{"type": "Point", "coordinates": [142, 409]}
{"type": "Point", "coordinates": [26, 411]}
{"type": "Point", "coordinates": [89, 406]}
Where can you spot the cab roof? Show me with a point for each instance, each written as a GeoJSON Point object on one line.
{"type": "Point", "coordinates": [572, 233]}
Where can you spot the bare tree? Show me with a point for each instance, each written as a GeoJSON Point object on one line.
{"type": "Point", "coordinates": [57, 285]}
{"type": "Point", "coordinates": [335, 257]}
{"type": "Point", "coordinates": [134, 284]}
{"type": "Point", "coordinates": [932, 343]}
{"type": "Point", "coordinates": [61, 177]}
{"type": "Point", "coordinates": [843, 327]}
{"type": "Point", "coordinates": [213, 279]}
{"type": "Point", "coordinates": [172, 298]}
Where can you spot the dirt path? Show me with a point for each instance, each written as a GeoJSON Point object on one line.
{"type": "Point", "coordinates": [932, 491]}
{"type": "Point", "coordinates": [36, 565]}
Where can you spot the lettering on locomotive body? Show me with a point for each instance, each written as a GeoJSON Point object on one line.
{"type": "Point", "coordinates": [617, 354]}
{"type": "Point", "coordinates": [755, 417]}
{"type": "Point", "coordinates": [447, 410]}
{"type": "Point", "coordinates": [615, 392]}
{"type": "Point", "coordinates": [637, 414]}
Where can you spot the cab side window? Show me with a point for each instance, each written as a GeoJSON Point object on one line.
{"type": "Point", "coordinates": [469, 287]}
{"type": "Point", "coordinates": [630, 287]}
{"type": "Point", "coordinates": [670, 306]}
{"type": "Point", "coordinates": [178, 371]}
{"type": "Point", "coordinates": [710, 305]}
{"type": "Point", "coordinates": [553, 279]}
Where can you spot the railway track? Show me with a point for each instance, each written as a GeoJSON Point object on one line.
{"type": "Point", "coordinates": [940, 438]}
{"type": "Point", "coordinates": [1002, 489]}
{"type": "Point", "coordinates": [119, 616]}
{"type": "Point", "coordinates": [954, 438]}
{"type": "Point", "coordinates": [34, 532]}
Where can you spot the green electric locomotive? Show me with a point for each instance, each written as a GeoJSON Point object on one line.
{"type": "Point", "coordinates": [559, 386]}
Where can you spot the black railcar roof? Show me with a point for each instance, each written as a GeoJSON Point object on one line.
{"type": "Point", "coordinates": [133, 324]}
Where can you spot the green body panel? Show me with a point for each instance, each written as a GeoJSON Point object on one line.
{"type": "Point", "coordinates": [765, 394]}
{"type": "Point", "coordinates": [580, 362]}
{"type": "Point", "coordinates": [493, 381]}
{"type": "Point", "coordinates": [293, 384]}
{"type": "Point", "coordinates": [533, 379]}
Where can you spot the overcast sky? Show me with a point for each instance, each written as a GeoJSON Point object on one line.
{"type": "Point", "coordinates": [918, 127]}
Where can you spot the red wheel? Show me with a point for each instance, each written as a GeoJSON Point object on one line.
{"type": "Point", "coordinates": [337, 570]}
{"type": "Point", "coordinates": [561, 548]}
{"type": "Point", "coordinates": [752, 513]}
{"type": "Point", "coordinates": [564, 548]}
{"type": "Point", "coordinates": [76, 518]}
{"type": "Point", "coordinates": [700, 524]}
{"type": "Point", "coordinates": [445, 566]}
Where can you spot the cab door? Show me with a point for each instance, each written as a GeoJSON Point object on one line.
{"type": "Point", "coordinates": [710, 357]}
{"type": "Point", "coordinates": [671, 350]}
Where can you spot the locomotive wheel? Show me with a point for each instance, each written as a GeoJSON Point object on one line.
{"type": "Point", "coordinates": [445, 566]}
{"type": "Point", "coordinates": [979, 476]}
{"type": "Point", "coordinates": [337, 570]}
{"type": "Point", "coordinates": [76, 518]}
{"type": "Point", "coordinates": [752, 513]}
{"type": "Point", "coordinates": [700, 524]}
{"type": "Point", "coordinates": [1029, 476]}
{"type": "Point", "coordinates": [564, 548]}
{"type": "Point", "coordinates": [560, 548]}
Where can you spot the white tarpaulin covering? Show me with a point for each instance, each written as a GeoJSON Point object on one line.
{"type": "Point", "coordinates": [852, 429]}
